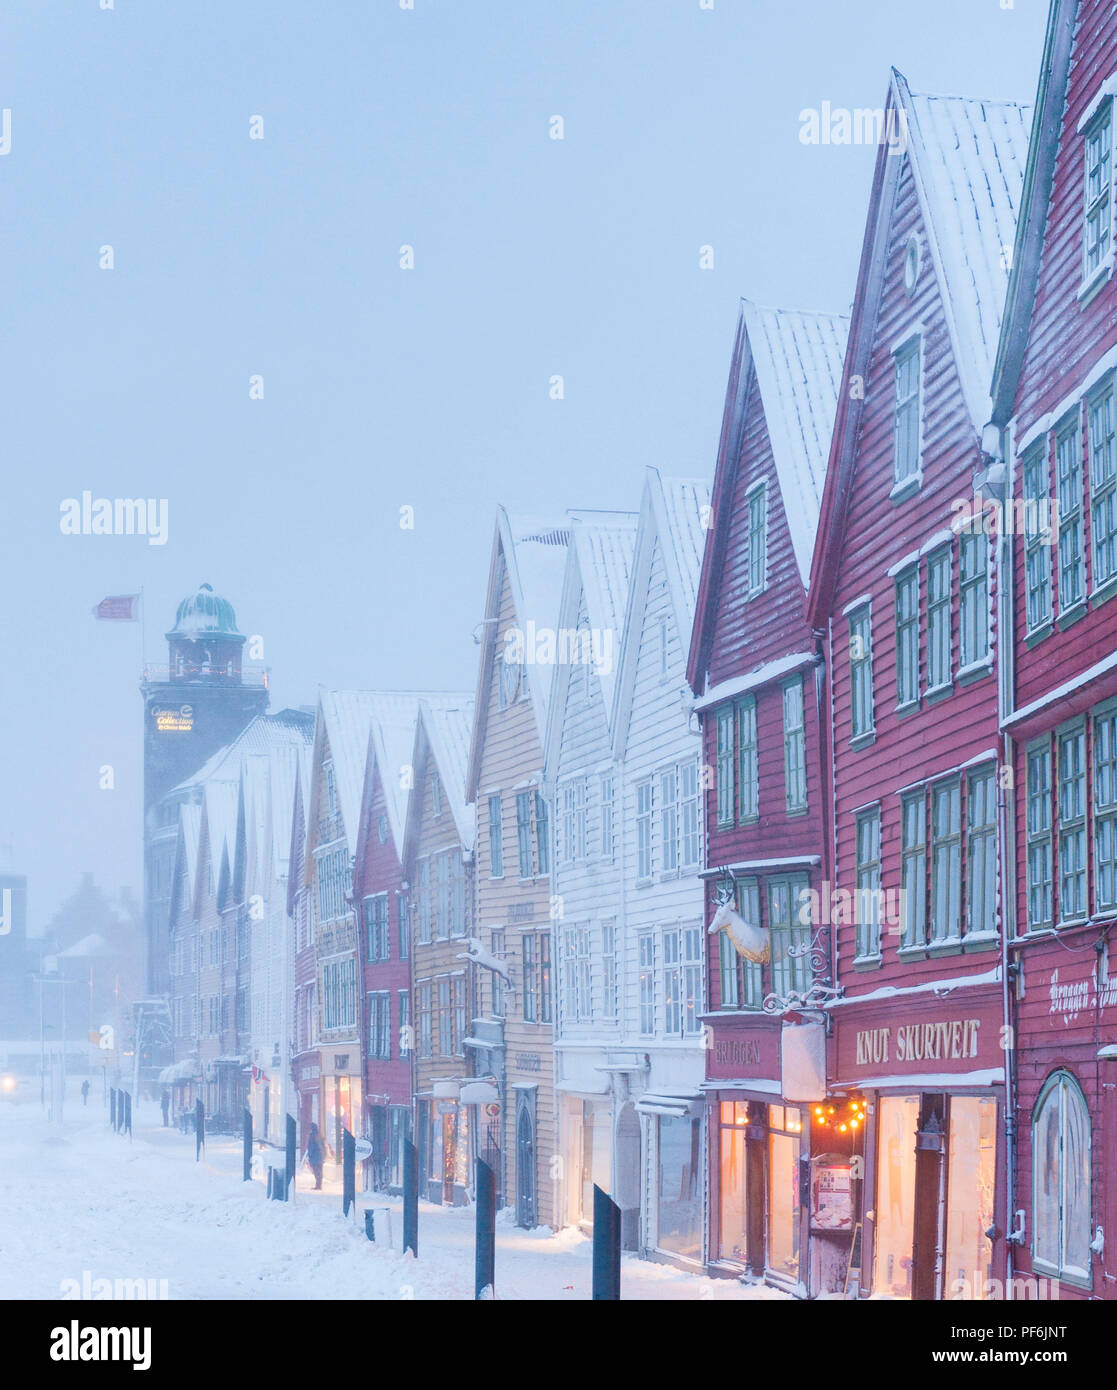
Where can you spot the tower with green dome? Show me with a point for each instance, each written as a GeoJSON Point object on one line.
{"type": "Point", "coordinates": [196, 704]}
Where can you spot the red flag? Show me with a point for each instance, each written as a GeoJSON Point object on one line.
{"type": "Point", "coordinates": [119, 608]}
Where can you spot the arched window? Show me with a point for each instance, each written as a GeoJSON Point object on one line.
{"type": "Point", "coordinates": [1061, 1180]}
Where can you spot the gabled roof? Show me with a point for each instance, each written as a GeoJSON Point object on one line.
{"type": "Point", "coordinates": [599, 564]}
{"type": "Point", "coordinates": [533, 553]}
{"type": "Point", "coordinates": [674, 512]}
{"type": "Point", "coordinates": [797, 358]}
{"type": "Point", "coordinates": [793, 359]}
{"type": "Point", "coordinates": [1039, 174]}
{"type": "Point", "coordinates": [967, 158]}
{"type": "Point", "coordinates": [445, 730]}
{"type": "Point", "coordinates": [391, 741]}
{"type": "Point", "coordinates": [343, 725]}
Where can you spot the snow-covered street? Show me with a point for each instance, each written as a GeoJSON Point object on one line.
{"type": "Point", "coordinates": [79, 1203]}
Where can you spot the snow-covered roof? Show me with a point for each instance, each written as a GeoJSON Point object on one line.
{"type": "Point", "coordinates": [798, 362]}
{"type": "Point", "coordinates": [605, 544]}
{"type": "Point", "coordinates": [448, 727]}
{"type": "Point", "coordinates": [344, 723]}
{"type": "Point", "coordinates": [535, 552]}
{"type": "Point", "coordinates": [392, 739]}
{"type": "Point", "coordinates": [968, 157]}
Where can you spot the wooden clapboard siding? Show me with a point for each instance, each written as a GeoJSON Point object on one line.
{"type": "Point", "coordinates": [378, 870]}
{"type": "Point", "coordinates": [658, 735]}
{"type": "Point", "coordinates": [510, 761]}
{"type": "Point", "coordinates": [878, 532]}
{"type": "Point", "coordinates": [1065, 1006]}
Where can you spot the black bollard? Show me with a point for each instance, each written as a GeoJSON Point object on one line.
{"type": "Point", "coordinates": [606, 1246]}
{"type": "Point", "coordinates": [112, 1108]}
{"type": "Point", "coordinates": [128, 1112]}
{"type": "Point", "coordinates": [247, 1145]}
{"type": "Point", "coordinates": [199, 1129]}
{"type": "Point", "coordinates": [410, 1198]}
{"type": "Point", "coordinates": [289, 1183]}
{"type": "Point", "coordinates": [484, 1278]}
{"type": "Point", "coordinates": [348, 1173]}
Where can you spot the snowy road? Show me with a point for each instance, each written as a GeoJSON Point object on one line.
{"type": "Point", "coordinates": [79, 1202]}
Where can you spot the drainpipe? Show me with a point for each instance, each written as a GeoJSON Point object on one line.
{"type": "Point", "coordinates": [995, 479]}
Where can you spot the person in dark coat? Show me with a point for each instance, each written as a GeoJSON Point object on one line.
{"type": "Point", "coordinates": [316, 1155]}
{"type": "Point", "coordinates": [85, 1093]}
{"type": "Point", "coordinates": [165, 1102]}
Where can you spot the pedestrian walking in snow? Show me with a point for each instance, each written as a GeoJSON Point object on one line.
{"type": "Point", "coordinates": [166, 1104]}
{"type": "Point", "coordinates": [85, 1093]}
{"type": "Point", "coordinates": [316, 1155]}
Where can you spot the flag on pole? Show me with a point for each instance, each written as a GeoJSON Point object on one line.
{"type": "Point", "coordinates": [120, 608]}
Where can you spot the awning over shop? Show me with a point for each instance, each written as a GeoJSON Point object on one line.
{"type": "Point", "coordinates": [675, 1106]}
{"type": "Point", "coordinates": [180, 1071]}
{"type": "Point", "coordinates": [479, 1093]}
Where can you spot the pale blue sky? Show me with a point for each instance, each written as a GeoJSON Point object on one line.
{"type": "Point", "coordinates": [280, 256]}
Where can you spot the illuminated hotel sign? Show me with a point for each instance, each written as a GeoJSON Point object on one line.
{"type": "Point", "coordinates": [173, 719]}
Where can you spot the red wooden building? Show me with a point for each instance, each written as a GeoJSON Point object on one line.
{"type": "Point", "coordinates": [903, 597]}
{"type": "Point", "coordinates": [756, 673]}
{"type": "Point", "coordinates": [1054, 406]}
{"type": "Point", "coordinates": [383, 934]}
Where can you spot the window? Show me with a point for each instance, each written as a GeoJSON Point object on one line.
{"type": "Point", "coordinates": [576, 973]}
{"type": "Point", "coordinates": [1072, 825]}
{"type": "Point", "coordinates": [542, 832]}
{"type": "Point", "coordinates": [907, 637]}
{"type": "Point", "coordinates": [379, 1025]}
{"type": "Point", "coordinates": [644, 830]}
{"type": "Point", "coordinates": [1061, 1215]}
{"type": "Point", "coordinates": [1039, 835]}
{"type": "Point", "coordinates": [510, 679]}
{"type": "Point", "coordinates": [609, 991]}
{"type": "Point", "coordinates": [906, 425]}
{"type": "Point", "coordinates": [913, 868]}
{"type": "Point", "coordinates": [725, 766]}
{"type": "Point", "coordinates": [939, 584]}
{"type": "Point", "coordinates": [1099, 191]}
{"type": "Point", "coordinates": [425, 904]}
{"type": "Point", "coordinates": [727, 964]}
{"type": "Point", "coordinates": [1037, 537]}
{"type": "Point", "coordinates": [690, 815]}
{"type": "Point", "coordinates": [973, 598]}
{"type": "Point", "coordinates": [496, 946]}
{"type": "Point", "coordinates": [377, 938]}
{"type": "Point", "coordinates": [1068, 470]}
{"type": "Point", "coordinates": [946, 861]}
{"type": "Point", "coordinates": [669, 820]}
{"type": "Point", "coordinates": [682, 981]}
{"type": "Point", "coordinates": [1103, 487]}
{"type": "Point", "coordinates": [981, 851]}
{"type": "Point", "coordinates": [758, 539]}
{"type": "Point", "coordinates": [531, 979]}
{"type": "Point", "coordinates": [750, 989]}
{"type": "Point", "coordinates": [445, 1018]}
{"type": "Point", "coordinates": [334, 883]}
{"type": "Point", "coordinates": [523, 832]}
{"type": "Point", "coordinates": [861, 672]}
{"type": "Point", "coordinates": [646, 961]}
{"type": "Point", "coordinates": [425, 1039]}
{"type": "Point", "coordinates": [574, 820]}
{"type": "Point", "coordinates": [868, 883]}
{"type": "Point", "coordinates": [444, 893]}
{"type": "Point", "coordinates": [403, 922]}
{"type": "Point", "coordinates": [458, 1005]}
{"type": "Point", "coordinates": [794, 747]}
{"type": "Point", "coordinates": [405, 1040]}
{"type": "Point", "coordinates": [1105, 811]}
{"type": "Point", "coordinates": [788, 934]}
{"type": "Point", "coordinates": [606, 788]}
{"type": "Point", "coordinates": [496, 838]}
{"type": "Point", "coordinates": [457, 894]}
{"type": "Point", "coordinates": [748, 765]}
{"type": "Point", "coordinates": [545, 976]}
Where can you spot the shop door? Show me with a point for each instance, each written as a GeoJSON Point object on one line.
{"type": "Point", "coordinates": [930, 1200]}
{"type": "Point", "coordinates": [525, 1171]}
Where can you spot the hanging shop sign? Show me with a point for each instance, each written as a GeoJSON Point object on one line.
{"type": "Point", "coordinates": [742, 1049]}
{"type": "Point", "coordinates": [904, 1038]}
